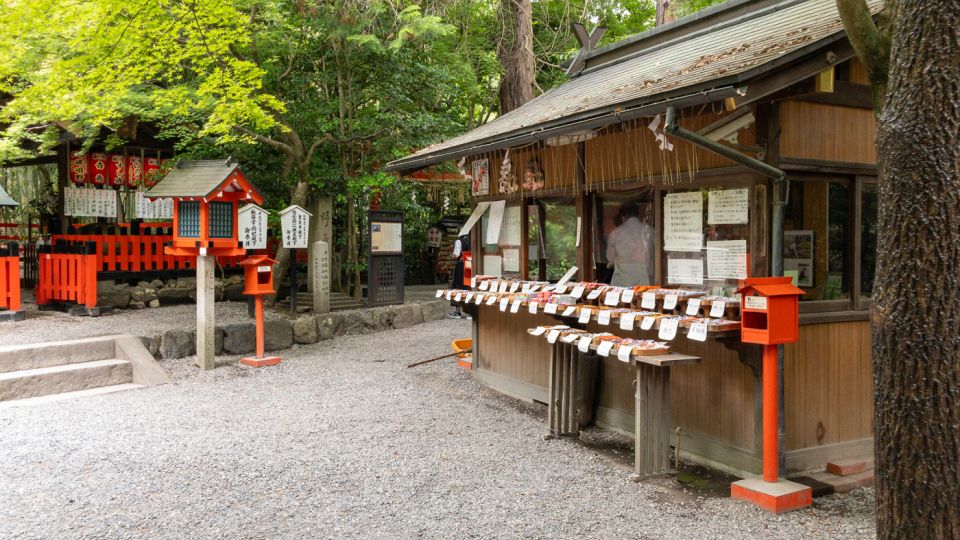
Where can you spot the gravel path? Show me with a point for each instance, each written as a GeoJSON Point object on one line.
{"type": "Point", "coordinates": [341, 440]}
{"type": "Point", "coordinates": [55, 325]}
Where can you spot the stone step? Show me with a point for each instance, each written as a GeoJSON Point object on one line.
{"type": "Point", "coordinates": [847, 467]}
{"type": "Point", "coordinates": [41, 355]}
{"type": "Point", "coordinates": [844, 484]}
{"type": "Point", "coordinates": [69, 395]}
{"type": "Point", "coordinates": [69, 377]}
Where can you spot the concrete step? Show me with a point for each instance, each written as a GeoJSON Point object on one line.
{"type": "Point", "coordinates": [41, 355]}
{"type": "Point", "coordinates": [71, 377]}
{"type": "Point", "coordinates": [27, 402]}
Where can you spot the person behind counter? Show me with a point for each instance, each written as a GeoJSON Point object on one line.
{"type": "Point", "coordinates": [459, 247]}
{"type": "Point", "coordinates": [630, 249]}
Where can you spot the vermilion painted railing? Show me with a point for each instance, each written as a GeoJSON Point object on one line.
{"type": "Point", "coordinates": [137, 253]}
{"type": "Point", "coordinates": [67, 273]}
{"type": "Point", "coordinates": [10, 277]}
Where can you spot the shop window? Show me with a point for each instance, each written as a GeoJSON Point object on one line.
{"type": "Point", "coordinates": [633, 246]}
{"type": "Point", "coordinates": [713, 237]}
{"type": "Point", "coordinates": [552, 238]}
{"type": "Point", "coordinates": [816, 239]}
{"type": "Point", "coordinates": [502, 257]}
{"type": "Point", "coordinates": [188, 219]}
{"type": "Point", "coordinates": [868, 237]}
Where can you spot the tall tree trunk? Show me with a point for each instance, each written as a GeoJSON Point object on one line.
{"type": "Point", "coordinates": [916, 316]}
{"type": "Point", "coordinates": [515, 53]}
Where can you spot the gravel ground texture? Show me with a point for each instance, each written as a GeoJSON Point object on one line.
{"type": "Point", "coordinates": [43, 326]}
{"type": "Point", "coordinates": [342, 440]}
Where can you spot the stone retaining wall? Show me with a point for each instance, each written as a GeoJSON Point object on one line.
{"type": "Point", "coordinates": [240, 338]}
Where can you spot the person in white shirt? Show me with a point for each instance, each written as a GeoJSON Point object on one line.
{"type": "Point", "coordinates": [630, 249]}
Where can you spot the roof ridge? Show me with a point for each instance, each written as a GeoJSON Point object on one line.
{"type": "Point", "coordinates": [675, 26]}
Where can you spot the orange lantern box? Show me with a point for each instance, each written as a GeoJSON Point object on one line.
{"type": "Point", "coordinates": [258, 275]}
{"type": "Point", "coordinates": [206, 196]}
{"type": "Point", "coordinates": [770, 311]}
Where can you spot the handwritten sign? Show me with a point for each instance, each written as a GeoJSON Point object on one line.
{"type": "Point", "coordinates": [584, 344]}
{"type": "Point", "coordinates": [252, 224]}
{"type": "Point", "coordinates": [728, 206]}
{"type": "Point", "coordinates": [718, 308]}
{"type": "Point", "coordinates": [668, 329]}
{"type": "Point", "coordinates": [603, 316]}
{"type": "Point", "coordinates": [693, 307]}
{"type": "Point", "coordinates": [584, 315]}
{"type": "Point", "coordinates": [552, 336]}
{"type": "Point", "coordinates": [647, 322]}
{"type": "Point", "coordinates": [604, 348]}
{"type": "Point", "coordinates": [685, 271]}
{"type": "Point", "coordinates": [648, 300]}
{"type": "Point", "coordinates": [623, 353]}
{"type": "Point", "coordinates": [727, 259]}
{"type": "Point", "coordinates": [532, 308]}
{"type": "Point", "coordinates": [683, 221]}
{"type": "Point", "coordinates": [550, 308]}
{"type": "Point", "coordinates": [569, 311]}
{"type": "Point", "coordinates": [612, 298]}
{"type": "Point", "coordinates": [627, 320]}
{"type": "Point", "coordinates": [670, 301]}
{"type": "Point", "coordinates": [698, 331]}
{"type": "Point", "coordinates": [294, 224]}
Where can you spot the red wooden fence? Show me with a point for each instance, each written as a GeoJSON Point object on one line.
{"type": "Point", "coordinates": [137, 253]}
{"type": "Point", "coordinates": [10, 278]}
{"type": "Point", "coordinates": [68, 273]}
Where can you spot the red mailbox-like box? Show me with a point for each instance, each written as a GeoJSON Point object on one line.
{"type": "Point", "coordinates": [258, 275]}
{"type": "Point", "coordinates": [770, 311]}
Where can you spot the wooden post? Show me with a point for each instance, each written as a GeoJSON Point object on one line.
{"type": "Point", "coordinates": [205, 312]}
{"type": "Point", "coordinates": [293, 280]}
{"type": "Point", "coordinates": [652, 428]}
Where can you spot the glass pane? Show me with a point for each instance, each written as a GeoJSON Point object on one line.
{"type": "Point", "coordinates": [816, 239]}
{"type": "Point", "coordinates": [634, 238]}
{"type": "Point", "coordinates": [221, 220]}
{"type": "Point", "coordinates": [188, 219]}
{"type": "Point", "coordinates": [868, 237]}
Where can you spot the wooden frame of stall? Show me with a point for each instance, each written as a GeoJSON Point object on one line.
{"type": "Point", "coordinates": [812, 119]}
{"type": "Point", "coordinates": [827, 375]}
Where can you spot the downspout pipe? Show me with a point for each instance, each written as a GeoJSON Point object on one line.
{"type": "Point", "coordinates": [780, 195]}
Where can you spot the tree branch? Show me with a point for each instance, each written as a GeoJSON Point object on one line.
{"type": "Point", "coordinates": [871, 43]}
{"type": "Point", "coordinates": [263, 139]}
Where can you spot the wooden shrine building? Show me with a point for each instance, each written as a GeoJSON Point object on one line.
{"type": "Point", "coordinates": [748, 124]}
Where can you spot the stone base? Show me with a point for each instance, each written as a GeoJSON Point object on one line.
{"type": "Point", "coordinates": [76, 310]}
{"type": "Point", "coordinates": [253, 361]}
{"type": "Point", "coordinates": [777, 497]}
{"type": "Point", "coordinates": [12, 316]}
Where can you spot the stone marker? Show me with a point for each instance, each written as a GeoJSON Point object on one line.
{"type": "Point", "coordinates": [320, 272]}
{"type": "Point", "coordinates": [206, 326]}
{"type": "Point", "coordinates": [321, 228]}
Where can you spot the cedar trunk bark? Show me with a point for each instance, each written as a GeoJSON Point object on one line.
{"type": "Point", "coordinates": [515, 52]}
{"type": "Point", "coordinates": [916, 316]}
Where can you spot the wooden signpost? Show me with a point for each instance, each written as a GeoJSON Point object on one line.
{"type": "Point", "coordinates": [295, 226]}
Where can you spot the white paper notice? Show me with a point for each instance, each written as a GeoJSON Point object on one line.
{"type": "Point", "coordinates": [727, 259]}
{"type": "Point", "coordinates": [484, 285]}
{"type": "Point", "coordinates": [474, 217]}
{"type": "Point", "coordinates": [569, 311]}
{"type": "Point", "coordinates": [560, 289]}
{"type": "Point", "coordinates": [552, 336]}
{"type": "Point", "coordinates": [511, 226]}
{"type": "Point", "coordinates": [627, 320]}
{"type": "Point", "coordinates": [550, 309]}
{"type": "Point", "coordinates": [584, 315]}
{"type": "Point", "coordinates": [577, 291]}
{"type": "Point", "coordinates": [579, 224]}
{"type": "Point", "coordinates": [683, 221]}
{"type": "Point", "coordinates": [718, 308]}
{"type": "Point", "coordinates": [604, 348]}
{"type": "Point", "coordinates": [584, 344]}
{"type": "Point", "coordinates": [648, 300]}
{"type": "Point", "coordinates": [515, 286]}
{"type": "Point", "coordinates": [538, 331]}
{"type": "Point", "coordinates": [569, 338]}
{"type": "Point", "coordinates": [594, 294]}
{"type": "Point", "coordinates": [504, 303]}
{"type": "Point", "coordinates": [458, 297]}
{"type": "Point", "coordinates": [469, 297]}
{"type": "Point", "coordinates": [511, 259]}
{"type": "Point", "coordinates": [647, 322]}
{"type": "Point", "coordinates": [515, 306]}
{"type": "Point", "coordinates": [449, 295]}
{"type": "Point", "coordinates": [668, 329]}
{"type": "Point", "coordinates": [627, 296]}
{"type": "Point", "coordinates": [492, 265]}
{"type": "Point", "coordinates": [603, 316]}
{"type": "Point", "coordinates": [566, 277]}
{"type": "Point", "coordinates": [532, 308]}
{"type": "Point", "coordinates": [623, 353]}
{"type": "Point", "coordinates": [670, 301]}
{"type": "Point", "coordinates": [439, 293]}
{"type": "Point", "coordinates": [693, 307]}
{"type": "Point", "coordinates": [612, 298]}
{"type": "Point", "coordinates": [503, 286]}
{"type": "Point", "coordinates": [755, 302]}
{"type": "Point", "coordinates": [479, 299]}
{"type": "Point", "coordinates": [495, 222]}
{"type": "Point", "coordinates": [728, 206]}
{"type": "Point", "coordinates": [491, 300]}
{"type": "Point", "coordinates": [698, 331]}
{"type": "Point", "coordinates": [685, 271]}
